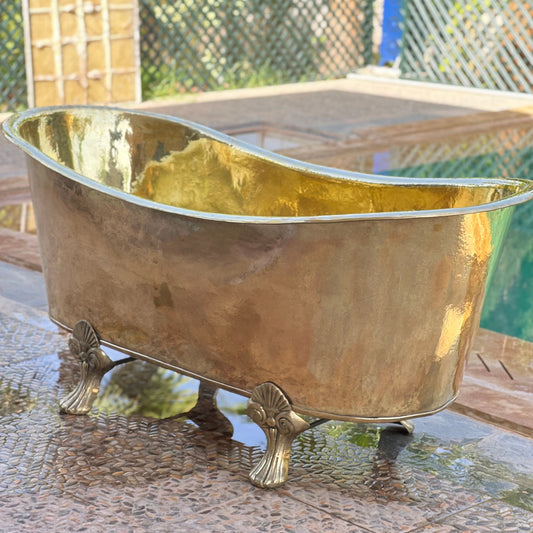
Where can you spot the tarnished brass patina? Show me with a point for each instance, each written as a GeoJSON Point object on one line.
{"type": "Point", "coordinates": [358, 295]}
{"type": "Point", "coordinates": [271, 411]}
{"type": "Point", "coordinates": [94, 364]}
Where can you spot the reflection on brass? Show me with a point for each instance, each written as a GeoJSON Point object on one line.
{"type": "Point", "coordinates": [186, 166]}
{"type": "Point", "coordinates": [215, 177]}
{"type": "Point", "coordinates": [94, 364]}
{"type": "Point", "coordinates": [206, 415]}
{"type": "Point", "coordinates": [271, 411]}
{"type": "Point", "coordinates": [359, 295]}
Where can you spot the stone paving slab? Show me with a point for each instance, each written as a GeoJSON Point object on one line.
{"type": "Point", "coordinates": [119, 468]}
{"type": "Point", "coordinates": [336, 113]}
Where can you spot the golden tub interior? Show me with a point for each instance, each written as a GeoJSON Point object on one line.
{"type": "Point", "coordinates": [178, 165]}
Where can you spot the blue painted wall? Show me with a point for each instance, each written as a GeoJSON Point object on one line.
{"type": "Point", "coordinates": [390, 46]}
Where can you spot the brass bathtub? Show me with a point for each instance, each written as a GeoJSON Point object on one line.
{"type": "Point", "coordinates": [310, 290]}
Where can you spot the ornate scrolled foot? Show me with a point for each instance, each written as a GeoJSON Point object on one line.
{"type": "Point", "coordinates": [84, 344]}
{"type": "Point", "coordinates": [206, 415]}
{"type": "Point", "coordinates": [271, 411]}
{"type": "Point", "coordinates": [407, 425]}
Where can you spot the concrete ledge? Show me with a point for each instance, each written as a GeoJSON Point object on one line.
{"type": "Point", "coordinates": [486, 99]}
{"type": "Point", "coordinates": [482, 99]}
{"type": "Point", "coordinates": [498, 382]}
{"type": "Point", "coordinates": [21, 249]}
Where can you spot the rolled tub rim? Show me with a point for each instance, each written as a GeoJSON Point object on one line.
{"type": "Point", "coordinates": [11, 128]}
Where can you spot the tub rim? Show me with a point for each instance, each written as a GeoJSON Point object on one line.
{"type": "Point", "coordinates": [11, 128]}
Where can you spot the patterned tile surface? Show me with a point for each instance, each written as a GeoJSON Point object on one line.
{"type": "Point", "coordinates": [489, 517]}
{"type": "Point", "coordinates": [125, 467]}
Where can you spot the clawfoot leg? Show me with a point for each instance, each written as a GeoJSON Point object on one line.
{"type": "Point", "coordinates": [271, 411]}
{"type": "Point", "coordinates": [407, 425]}
{"type": "Point", "coordinates": [84, 344]}
{"type": "Point", "coordinates": [206, 415]}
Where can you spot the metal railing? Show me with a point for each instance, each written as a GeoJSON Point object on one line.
{"type": "Point", "coordinates": [196, 45]}
{"type": "Point", "coordinates": [473, 43]}
{"type": "Point", "coordinates": [12, 64]}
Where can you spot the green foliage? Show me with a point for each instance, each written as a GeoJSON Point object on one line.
{"type": "Point", "coordinates": [363, 435]}
{"type": "Point", "coordinates": [467, 463]}
{"type": "Point", "coordinates": [12, 66]}
{"type": "Point", "coordinates": [143, 389]}
{"type": "Point", "coordinates": [194, 45]}
{"type": "Point", "coordinates": [10, 216]}
{"type": "Point", "coordinates": [465, 40]}
{"type": "Point", "coordinates": [476, 43]}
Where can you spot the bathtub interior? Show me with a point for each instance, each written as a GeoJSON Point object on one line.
{"type": "Point", "coordinates": [175, 164]}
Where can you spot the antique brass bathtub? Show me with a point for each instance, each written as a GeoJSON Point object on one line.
{"type": "Point", "coordinates": [311, 290]}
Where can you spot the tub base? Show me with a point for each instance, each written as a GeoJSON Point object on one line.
{"type": "Point", "coordinates": [268, 407]}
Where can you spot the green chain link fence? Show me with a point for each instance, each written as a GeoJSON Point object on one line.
{"type": "Point", "coordinates": [12, 66]}
{"type": "Point", "coordinates": [473, 43]}
{"type": "Point", "coordinates": [196, 45]}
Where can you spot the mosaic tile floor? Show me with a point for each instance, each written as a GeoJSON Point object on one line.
{"type": "Point", "coordinates": [125, 468]}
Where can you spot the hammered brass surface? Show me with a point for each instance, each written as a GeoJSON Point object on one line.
{"type": "Point", "coordinates": [211, 176]}
{"type": "Point", "coordinates": [365, 315]}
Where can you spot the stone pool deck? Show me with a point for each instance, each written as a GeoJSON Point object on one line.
{"type": "Point", "coordinates": [124, 468]}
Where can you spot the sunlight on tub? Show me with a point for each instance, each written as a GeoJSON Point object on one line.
{"type": "Point", "coordinates": [215, 177]}
{"type": "Point", "coordinates": [192, 171]}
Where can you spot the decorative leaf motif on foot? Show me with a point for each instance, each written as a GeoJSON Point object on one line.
{"type": "Point", "coordinates": [271, 411]}
{"type": "Point", "coordinates": [94, 363]}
